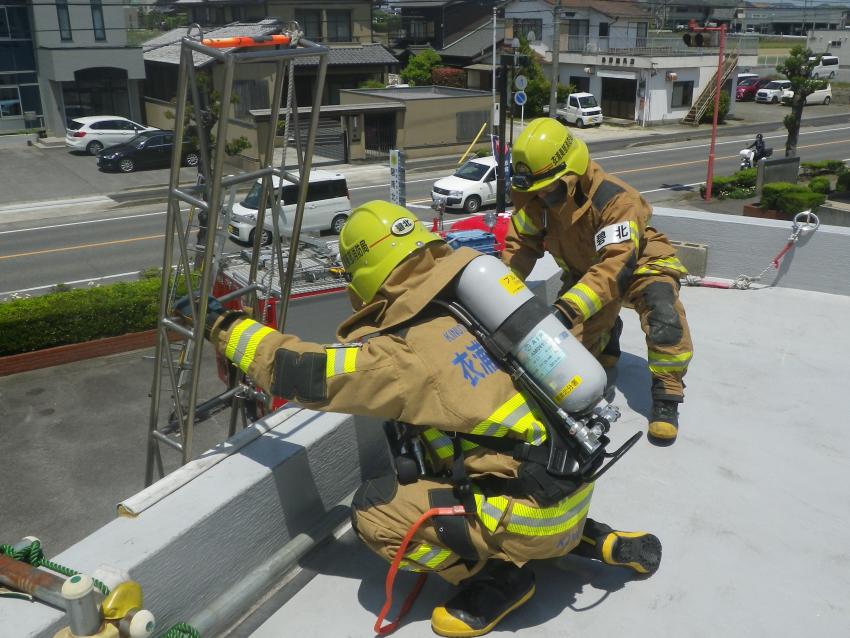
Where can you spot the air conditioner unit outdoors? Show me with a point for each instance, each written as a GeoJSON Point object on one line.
{"type": "Point", "coordinates": [672, 76]}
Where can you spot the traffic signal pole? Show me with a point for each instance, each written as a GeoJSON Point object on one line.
{"type": "Point", "coordinates": [709, 179]}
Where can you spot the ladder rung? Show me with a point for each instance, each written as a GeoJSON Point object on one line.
{"type": "Point", "coordinates": [190, 199]}
{"type": "Point", "coordinates": [159, 436]}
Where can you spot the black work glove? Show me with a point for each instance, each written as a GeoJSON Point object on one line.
{"type": "Point", "coordinates": [214, 311]}
{"type": "Point", "coordinates": [563, 312]}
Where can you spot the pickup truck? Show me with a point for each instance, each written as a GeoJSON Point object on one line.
{"type": "Point", "coordinates": [580, 109]}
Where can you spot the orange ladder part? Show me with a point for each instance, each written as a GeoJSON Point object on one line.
{"type": "Point", "coordinates": [247, 41]}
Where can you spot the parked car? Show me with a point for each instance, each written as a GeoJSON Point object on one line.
{"type": "Point", "coordinates": [826, 68]}
{"type": "Point", "coordinates": [94, 133]}
{"type": "Point", "coordinates": [772, 91]}
{"type": "Point", "coordinates": [821, 96]}
{"type": "Point", "coordinates": [328, 207]}
{"type": "Point", "coordinates": [580, 109]}
{"type": "Point", "coordinates": [149, 149]}
{"type": "Point", "coordinates": [748, 87]}
{"type": "Point", "coordinates": [469, 187]}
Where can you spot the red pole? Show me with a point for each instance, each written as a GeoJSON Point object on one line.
{"type": "Point", "coordinates": [710, 177]}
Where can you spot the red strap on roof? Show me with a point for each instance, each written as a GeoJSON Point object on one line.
{"type": "Point", "coordinates": [247, 41]}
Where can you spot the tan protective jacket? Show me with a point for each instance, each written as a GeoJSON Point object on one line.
{"type": "Point", "coordinates": [402, 358]}
{"type": "Point", "coordinates": [597, 229]}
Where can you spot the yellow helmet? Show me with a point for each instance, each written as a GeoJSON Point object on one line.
{"type": "Point", "coordinates": [543, 152]}
{"type": "Point", "coordinates": [376, 238]}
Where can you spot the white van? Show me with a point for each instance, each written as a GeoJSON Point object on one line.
{"type": "Point", "coordinates": [328, 206]}
{"type": "Point", "coordinates": [580, 109]}
{"type": "Point", "coordinates": [826, 68]}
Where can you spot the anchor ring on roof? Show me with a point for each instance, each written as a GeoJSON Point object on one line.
{"type": "Point", "coordinates": [806, 222]}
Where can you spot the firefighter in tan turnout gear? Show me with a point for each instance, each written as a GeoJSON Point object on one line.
{"type": "Point", "coordinates": [597, 229]}
{"type": "Point", "coordinates": [403, 358]}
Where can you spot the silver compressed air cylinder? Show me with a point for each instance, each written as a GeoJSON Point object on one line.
{"type": "Point", "coordinates": [81, 605]}
{"type": "Point", "coordinates": [524, 325]}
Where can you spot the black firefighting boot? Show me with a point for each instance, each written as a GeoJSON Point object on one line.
{"type": "Point", "coordinates": [484, 600]}
{"type": "Point", "coordinates": [640, 551]}
{"type": "Point", "coordinates": [664, 422]}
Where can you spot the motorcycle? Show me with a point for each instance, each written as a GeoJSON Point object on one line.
{"type": "Point", "coordinates": [749, 159]}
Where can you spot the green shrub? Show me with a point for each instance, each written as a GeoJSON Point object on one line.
{"type": "Point", "coordinates": [770, 193]}
{"type": "Point", "coordinates": [722, 112]}
{"type": "Point", "coordinates": [369, 84]}
{"type": "Point", "coordinates": [819, 185]}
{"type": "Point", "coordinates": [843, 183]}
{"type": "Point", "coordinates": [796, 202]}
{"type": "Point", "coordinates": [741, 193]}
{"type": "Point", "coordinates": [78, 315]}
{"type": "Point", "coordinates": [746, 177]}
{"type": "Point", "coordinates": [823, 167]}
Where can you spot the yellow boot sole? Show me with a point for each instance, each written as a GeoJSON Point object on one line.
{"type": "Point", "coordinates": [662, 432]}
{"type": "Point", "coordinates": [444, 624]}
{"type": "Point", "coordinates": [639, 551]}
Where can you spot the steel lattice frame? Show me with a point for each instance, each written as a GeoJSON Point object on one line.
{"type": "Point", "coordinates": [206, 197]}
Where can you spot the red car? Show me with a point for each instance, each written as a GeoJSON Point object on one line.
{"type": "Point", "coordinates": [748, 87]}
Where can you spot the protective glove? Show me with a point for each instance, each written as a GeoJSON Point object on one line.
{"type": "Point", "coordinates": [214, 311]}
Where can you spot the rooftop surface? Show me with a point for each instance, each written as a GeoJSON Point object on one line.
{"type": "Point", "coordinates": [751, 503]}
{"type": "Point", "coordinates": [419, 92]}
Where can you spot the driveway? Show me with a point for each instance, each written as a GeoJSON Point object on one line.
{"type": "Point", "coordinates": [34, 174]}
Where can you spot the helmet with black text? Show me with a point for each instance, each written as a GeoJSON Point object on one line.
{"type": "Point", "coordinates": [376, 238]}
{"type": "Point", "coordinates": [545, 151]}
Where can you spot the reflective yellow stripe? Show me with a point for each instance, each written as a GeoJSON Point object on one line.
{"type": "Point", "coordinates": [243, 341]}
{"type": "Point", "coordinates": [490, 510]}
{"type": "Point", "coordinates": [582, 296]}
{"type": "Point", "coordinates": [546, 521]}
{"type": "Point", "coordinates": [522, 224]}
{"type": "Point", "coordinates": [425, 556]}
{"type": "Point", "coordinates": [670, 263]}
{"type": "Point", "coordinates": [514, 415]}
{"type": "Point", "coordinates": [341, 361]}
{"type": "Point", "coordinates": [439, 443]}
{"type": "Point", "coordinates": [660, 363]}
{"type": "Point", "coordinates": [635, 233]}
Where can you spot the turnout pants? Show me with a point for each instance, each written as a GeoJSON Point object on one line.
{"type": "Point", "coordinates": [655, 297]}
{"type": "Point", "coordinates": [457, 547]}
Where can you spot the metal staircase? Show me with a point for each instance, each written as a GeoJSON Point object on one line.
{"type": "Point", "coordinates": [705, 99]}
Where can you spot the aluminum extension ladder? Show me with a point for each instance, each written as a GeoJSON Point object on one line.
{"type": "Point", "coordinates": [191, 269]}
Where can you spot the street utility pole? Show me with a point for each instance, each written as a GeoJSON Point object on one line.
{"type": "Point", "coordinates": [556, 55]}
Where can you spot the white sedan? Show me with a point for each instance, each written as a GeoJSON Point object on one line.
{"type": "Point", "coordinates": [470, 187]}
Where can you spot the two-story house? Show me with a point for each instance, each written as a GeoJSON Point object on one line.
{"type": "Point", "coordinates": [435, 24]}
{"type": "Point", "coordinates": [85, 64]}
{"type": "Point", "coordinates": [606, 48]}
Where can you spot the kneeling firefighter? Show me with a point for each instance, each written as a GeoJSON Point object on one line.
{"type": "Point", "coordinates": [482, 449]}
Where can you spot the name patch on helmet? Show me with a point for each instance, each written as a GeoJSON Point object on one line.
{"type": "Point", "coordinates": [354, 253]}
{"type": "Point", "coordinates": [563, 150]}
{"type": "Point", "coordinates": [402, 226]}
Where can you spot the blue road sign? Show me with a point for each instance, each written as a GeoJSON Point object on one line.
{"type": "Point", "coordinates": [520, 98]}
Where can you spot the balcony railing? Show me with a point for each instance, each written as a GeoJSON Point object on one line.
{"type": "Point", "coordinates": [651, 46]}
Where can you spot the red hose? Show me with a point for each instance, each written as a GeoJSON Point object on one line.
{"type": "Point", "coordinates": [380, 628]}
{"type": "Point", "coordinates": [776, 260]}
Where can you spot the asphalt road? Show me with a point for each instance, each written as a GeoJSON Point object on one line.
{"type": "Point", "coordinates": [116, 244]}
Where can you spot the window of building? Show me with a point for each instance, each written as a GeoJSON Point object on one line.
{"type": "Point", "coordinates": [603, 29]}
{"type": "Point", "coordinates": [339, 25]}
{"type": "Point", "coordinates": [64, 19]}
{"type": "Point", "coordinates": [10, 102]}
{"type": "Point", "coordinates": [523, 26]}
{"type": "Point", "coordinates": [4, 23]}
{"type": "Point", "coordinates": [420, 29]}
{"type": "Point", "coordinates": [251, 94]}
{"type": "Point", "coordinates": [311, 22]}
{"type": "Point", "coordinates": [97, 20]}
{"type": "Point", "coordinates": [683, 94]}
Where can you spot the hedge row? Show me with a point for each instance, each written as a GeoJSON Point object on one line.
{"type": "Point", "coordinates": [78, 315]}
{"type": "Point", "coordinates": [740, 185]}
{"type": "Point", "coordinates": [789, 198]}
{"type": "Point", "coordinates": [823, 167]}
{"type": "Point", "coordinates": [843, 182]}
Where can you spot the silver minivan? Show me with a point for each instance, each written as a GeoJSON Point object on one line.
{"type": "Point", "coordinates": [826, 68]}
{"type": "Point", "coordinates": [328, 207]}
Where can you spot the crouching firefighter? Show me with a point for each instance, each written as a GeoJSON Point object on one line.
{"type": "Point", "coordinates": [484, 483]}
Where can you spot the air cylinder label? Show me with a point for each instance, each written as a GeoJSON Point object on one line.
{"type": "Point", "coordinates": [540, 354]}
{"type": "Point", "coordinates": [511, 283]}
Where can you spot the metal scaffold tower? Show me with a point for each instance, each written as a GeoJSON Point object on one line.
{"type": "Point", "coordinates": [197, 219]}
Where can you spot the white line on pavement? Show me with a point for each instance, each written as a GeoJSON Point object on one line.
{"type": "Point", "coordinates": [767, 137]}
{"type": "Point", "coordinates": [88, 221]}
{"type": "Point", "coordinates": [69, 283]}
{"type": "Point", "coordinates": [56, 203]}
